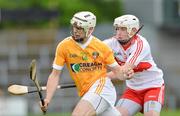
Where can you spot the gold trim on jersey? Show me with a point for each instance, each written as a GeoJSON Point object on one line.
{"type": "Point", "coordinates": [100, 85]}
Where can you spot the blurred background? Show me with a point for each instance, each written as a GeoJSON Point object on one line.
{"type": "Point", "coordinates": [31, 29]}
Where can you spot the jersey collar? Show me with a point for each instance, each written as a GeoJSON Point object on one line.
{"type": "Point", "coordinates": [84, 45]}
{"type": "Point", "coordinates": [131, 42]}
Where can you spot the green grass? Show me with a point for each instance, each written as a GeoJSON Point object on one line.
{"type": "Point", "coordinates": [166, 113]}
{"type": "Point", "coordinates": [163, 113]}
{"type": "Point", "coordinates": [171, 113]}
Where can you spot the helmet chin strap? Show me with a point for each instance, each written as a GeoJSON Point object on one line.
{"type": "Point", "coordinates": [124, 42]}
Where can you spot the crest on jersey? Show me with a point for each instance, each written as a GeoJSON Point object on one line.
{"type": "Point", "coordinates": [84, 56]}
{"type": "Point", "coordinates": [95, 55]}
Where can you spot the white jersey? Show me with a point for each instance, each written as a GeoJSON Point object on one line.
{"type": "Point", "coordinates": [147, 74]}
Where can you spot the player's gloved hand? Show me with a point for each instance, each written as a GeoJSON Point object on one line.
{"type": "Point", "coordinates": [44, 108]}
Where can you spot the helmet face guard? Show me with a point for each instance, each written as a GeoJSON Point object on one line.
{"type": "Point", "coordinates": [85, 20]}
{"type": "Point", "coordinates": [77, 33]}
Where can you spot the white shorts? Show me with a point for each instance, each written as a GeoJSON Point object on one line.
{"type": "Point", "coordinates": [102, 95]}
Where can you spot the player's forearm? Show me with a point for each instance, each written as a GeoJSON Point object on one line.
{"type": "Point", "coordinates": [51, 86]}
{"type": "Point", "coordinates": [111, 75]}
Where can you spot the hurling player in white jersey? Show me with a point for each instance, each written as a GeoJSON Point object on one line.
{"type": "Point", "coordinates": [145, 90]}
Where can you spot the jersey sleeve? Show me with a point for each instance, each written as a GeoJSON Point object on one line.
{"type": "Point", "coordinates": [107, 42]}
{"type": "Point", "coordinates": [60, 57]}
{"type": "Point", "coordinates": [140, 50]}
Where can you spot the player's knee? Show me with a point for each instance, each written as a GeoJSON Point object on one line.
{"type": "Point", "coordinates": [78, 114]}
{"type": "Point", "coordinates": [83, 114]}
{"type": "Point", "coordinates": [79, 111]}
{"type": "Point", "coordinates": [74, 114]}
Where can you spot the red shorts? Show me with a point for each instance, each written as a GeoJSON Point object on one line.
{"type": "Point", "coordinates": [142, 96]}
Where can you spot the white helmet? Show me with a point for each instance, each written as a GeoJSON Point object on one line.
{"type": "Point", "coordinates": [84, 20]}
{"type": "Point", "coordinates": [128, 21]}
